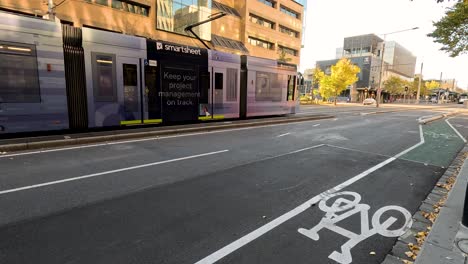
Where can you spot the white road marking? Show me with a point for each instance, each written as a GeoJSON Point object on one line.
{"type": "Point", "coordinates": [454, 129]}
{"type": "Point", "coordinates": [282, 135]}
{"type": "Point", "coordinates": [152, 138]}
{"type": "Point", "coordinates": [316, 125]}
{"type": "Point", "coordinates": [348, 208]}
{"type": "Point", "coordinates": [235, 245]}
{"type": "Point", "coordinates": [109, 172]}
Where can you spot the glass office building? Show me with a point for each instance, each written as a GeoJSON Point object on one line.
{"type": "Point", "coordinates": [175, 15]}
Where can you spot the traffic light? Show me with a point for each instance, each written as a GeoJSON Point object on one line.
{"type": "Point", "coordinates": [406, 88]}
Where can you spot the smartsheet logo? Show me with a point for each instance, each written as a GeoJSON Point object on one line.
{"type": "Point", "coordinates": [159, 46]}
{"type": "Point", "coordinates": [179, 49]}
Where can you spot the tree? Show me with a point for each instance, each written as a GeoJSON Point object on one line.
{"type": "Point", "coordinates": [452, 30]}
{"type": "Point", "coordinates": [394, 85]}
{"type": "Point", "coordinates": [317, 75]}
{"type": "Point", "coordinates": [343, 74]}
{"type": "Point", "coordinates": [431, 85]}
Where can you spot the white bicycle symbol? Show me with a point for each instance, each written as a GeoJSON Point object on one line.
{"type": "Point", "coordinates": [436, 135]}
{"type": "Point", "coordinates": [349, 208]}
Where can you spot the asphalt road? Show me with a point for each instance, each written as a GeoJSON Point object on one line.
{"type": "Point", "coordinates": [237, 196]}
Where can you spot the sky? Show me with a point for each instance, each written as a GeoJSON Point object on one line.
{"type": "Point", "coordinates": [328, 22]}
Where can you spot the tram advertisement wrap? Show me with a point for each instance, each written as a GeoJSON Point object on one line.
{"type": "Point", "coordinates": [180, 94]}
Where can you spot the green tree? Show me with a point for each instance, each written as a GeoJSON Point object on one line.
{"type": "Point", "coordinates": [452, 30]}
{"type": "Point", "coordinates": [394, 85]}
{"type": "Point", "coordinates": [343, 74]}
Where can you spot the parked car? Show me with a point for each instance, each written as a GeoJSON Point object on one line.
{"type": "Point", "coordinates": [463, 98]}
{"type": "Point", "coordinates": [369, 101]}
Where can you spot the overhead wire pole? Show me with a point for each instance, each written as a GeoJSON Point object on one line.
{"type": "Point", "coordinates": [379, 90]}
{"type": "Point", "coordinates": [189, 28]}
{"type": "Point", "coordinates": [419, 85]}
{"type": "Point", "coordinates": [50, 10]}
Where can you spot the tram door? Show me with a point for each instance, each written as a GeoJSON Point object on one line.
{"type": "Point", "coordinates": [129, 87]}
{"type": "Point", "coordinates": [216, 91]}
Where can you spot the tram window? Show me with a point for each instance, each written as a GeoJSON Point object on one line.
{"type": "Point", "coordinates": [19, 82]}
{"type": "Point", "coordinates": [262, 87]}
{"type": "Point", "coordinates": [276, 88]}
{"type": "Point", "coordinates": [130, 79]}
{"type": "Point", "coordinates": [104, 78]}
{"type": "Point", "coordinates": [231, 83]}
{"type": "Point", "coordinates": [219, 81]}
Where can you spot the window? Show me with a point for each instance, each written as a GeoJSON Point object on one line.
{"type": "Point", "coordinates": [19, 82]}
{"type": "Point", "coordinates": [289, 12]}
{"type": "Point", "coordinates": [104, 77]}
{"type": "Point", "coordinates": [289, 31]}
{"type": "Point", "coordinates": [289, 51]}
{"type": "Point", "coordinates": [130, 7]}
{"type": "Point", "coordinates": [218, 81]}
{"type": "Point", "coordinates": [101, 2]}
{"type": "Point", "coordinates": [231, 83]}
{"type": "Point", "coordinates": [261, 43]}
{"type": "Point", "coordinates": [268, 86]}
{"type": "Point", "coordinates": [176, 15]}
{"type": "Point", "coordinates": [130, 79]}
{"type": "Point", "coordinates": [261, 21]}
{"type": "Point", "coordinates": [268, 3]}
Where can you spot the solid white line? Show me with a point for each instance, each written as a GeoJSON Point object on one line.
{"type": "Point", "coordinates": [233, 246]}
{"type": "Point", "coordinates": [109, 172]}
{"type": "Point", "coordinates": [421, 136]}
{"type": "Point", "coordinates": [454, 129]}
{"type": "Point", "coordinates": [282, 135]}
{"type": "Point", "coordinates": [150, 138]}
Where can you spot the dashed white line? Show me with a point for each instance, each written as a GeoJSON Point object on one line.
{"type": "Point", "coordinates": [316, 125]}
{"type": "Point", "coordinates": [109, 172]}
{"type": "Point", "coordinates": [282, 135]}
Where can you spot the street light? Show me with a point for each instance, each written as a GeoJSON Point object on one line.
{"type": "Point", "coordinates": [379, 90]}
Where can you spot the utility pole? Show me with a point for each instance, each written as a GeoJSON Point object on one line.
{"type": "Point", "coordinates": [440, 88]}
{"type": "Point", "coordinates": [419, 85]}
{"type": "Point", "coordinates": [381, 71]}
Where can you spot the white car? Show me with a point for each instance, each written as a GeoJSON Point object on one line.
{"type": "Point", "coordinates": [462, 99]}
{"type": "Point", "coordinates": [369, 101]}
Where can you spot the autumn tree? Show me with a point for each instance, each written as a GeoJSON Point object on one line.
{"type": "Point", "coordinates": [432, 85]}
{"type": "Point", "coordinates": [343, 74]}
{"type": "Point", "coordinates": [452, 30]}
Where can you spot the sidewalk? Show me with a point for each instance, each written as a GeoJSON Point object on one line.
{"type": "Point", "coordinates": [69, 139]}
{"type": "Point", "coordinates": [437, 226]}
{"type": "Point", "coordinates": [440, 246]}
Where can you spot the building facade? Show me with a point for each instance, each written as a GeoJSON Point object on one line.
{"type": "Point", "coordinates": [365, 51]}
{"type": "Point", "coordinates": [264, 28]}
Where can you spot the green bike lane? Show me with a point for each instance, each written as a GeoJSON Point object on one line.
{"type": "Point", "coordinates": [441, 145]}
